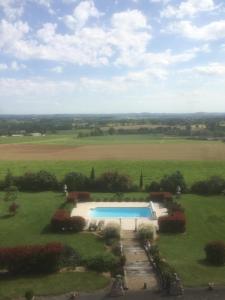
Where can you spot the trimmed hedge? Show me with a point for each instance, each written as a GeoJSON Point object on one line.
{"type": "Point", "coordinates": [82, 196]}
{"type": "Point", "coordinates": [102, 262]}
{"type": "Point", "coordinates": [215, 252]}
{"type": "Point", "coordinates": [34, 259]}
{"type": "Point", "coordinates": [174, 223]}
{"type": "Point", "coordinates": [160, 196]}
{"type": "Point", "coordinates": [63, 222]}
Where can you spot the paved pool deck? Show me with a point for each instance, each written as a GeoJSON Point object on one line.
{"type": "Point", "coordinates": [83, 209]}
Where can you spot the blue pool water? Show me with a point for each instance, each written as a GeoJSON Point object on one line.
{"type": "Point", "coordinates": [121, 212]}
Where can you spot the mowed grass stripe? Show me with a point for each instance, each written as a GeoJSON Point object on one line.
{"type": "Point", "coordinates": [152, 170]}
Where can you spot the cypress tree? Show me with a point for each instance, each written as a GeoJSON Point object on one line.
{"type": "Point", "coordinates": [141, 181]}
{"type": "Point", "coordinates": [92, 176]}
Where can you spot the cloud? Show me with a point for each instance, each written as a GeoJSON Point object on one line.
{"type": "Point", "coordinates": [12, 9]}
{"type": "Point", "coordinates": [211, 69]}
{"type": "Point", "coordinates": [3, 67]}
{"type": "Point", "coordinates": [210, 32]}
{"type": "Point", "coordinates": [126, 39]}
{"type": "Point", "coordinates": [188, 8]}
{"type": "Point", "coordinates": [81, 14]}
{"type": "Point", "coordinates": [57, 69]}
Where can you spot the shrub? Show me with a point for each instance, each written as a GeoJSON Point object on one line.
{"type": "Point", "coordinates": [213, 186]}
{"type": "Point", "coordinates": [69, 257]}
{"type": "Point", "coordinates": [60, 220]}
{"type": "Point", "coordinates": [29, 295]}
{"type": "Point", "coordinates": [170, 182]}
{"type": "Point", "coordinates": [102, 262]}
{"type": "Point", "coordinates": [76, 181]}
{"type": "Point", "coordinates": [215, 252]}
{"type": "Point", "coordinates": [13, 208]}
{"type": "Point", "coordinates": [31, 259]}
{"type": "Point", "coordinates": [161, 196]}
{"type": "Point", "coordinates": [173, 206]}
{"type": "Point", "coordinates": [82, 196]}
{"type": "Point", "coordinates": [35, 182]}
{"type": "Point", "coordinates": [114, 182]}
{"type": "Point", "coordinates": [153, 187]}
{"type": "Point", "coordinates": [76, 223]}
{"type": "Point", "coordinates": [174, 223]}
{"type": "Point", "coordinates": [146, 232]}
{"type": "Point", "coordinates": [111, 231]}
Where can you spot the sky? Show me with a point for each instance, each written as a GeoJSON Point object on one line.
{"type": "Point", "coordinates": [112, 56]}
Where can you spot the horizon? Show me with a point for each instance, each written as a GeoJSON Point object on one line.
{"type": "Point", "coordinates": [114, 57]}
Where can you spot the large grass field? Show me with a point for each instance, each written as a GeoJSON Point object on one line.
{"type": "Point", "coordinates": [205, 222]}
{"type": "Point", "coordinates": [70, 139]}
{"type": "Point", "coordinates": [29, 227]}
{"type": "Point", "coordinates": [152, 170]}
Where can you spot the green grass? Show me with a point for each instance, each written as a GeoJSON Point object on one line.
{"type": "Point", "coordinates": [152, 170]}
{"type": "Point", "coordinates": [29, 224]}
{"type": "Point", "coordinates": [71, 139]}
{"type": "Point", "coordinates": [52, 284]}
{"type": "Point", "coordinates": [205, 222]}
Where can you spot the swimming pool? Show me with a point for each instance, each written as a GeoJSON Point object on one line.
{"type": "Point", "coordinates": [121, 212]}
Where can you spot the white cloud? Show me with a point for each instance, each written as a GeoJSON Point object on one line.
{"type": "Point", "coordinates": [211, 69]}
{"type": "Point", "coordinates": [129, 20]}
{"type": "Point", "coordinates": [188, 8]}
{"type": "Point", "coordinates": [57, 69]}
{"type": "Point", "coordinates": [3, 67]}
{"type": "Point", "coordinates": [81, 14]}
{"type": "Point", "coordinates": [212, 31]}
{"type": "Point", "coordinates": [12, 9]}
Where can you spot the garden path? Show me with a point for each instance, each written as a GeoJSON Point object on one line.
{"type": "Point", "coordinates": [138, 271]}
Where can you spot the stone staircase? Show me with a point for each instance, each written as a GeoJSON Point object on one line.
{"type": "Point", "coordinates": [138, 271]}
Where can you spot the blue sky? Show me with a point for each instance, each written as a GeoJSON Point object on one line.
{"type": "Point", "coordinates": [112, 56]}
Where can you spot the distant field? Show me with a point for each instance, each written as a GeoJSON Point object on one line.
{"type": "Point", "coordinates": [70, 139]}
{"type": "Point", "coordinates": [188, 151]}
{"type": "Point", "coordinates": [152, 170]}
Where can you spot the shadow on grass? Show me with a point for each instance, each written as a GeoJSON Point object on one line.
{"type": "Point", "coordinates": [205, 263]}
{"type": "Point", "coordinates": [6, 216]}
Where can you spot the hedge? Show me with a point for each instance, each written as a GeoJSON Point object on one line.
{"type": "Point", "coordinates": [63, 222]}
{"type": "Point", "coordinates": [174, 223]}
{"type": "Point", "coordinates": [215, 252]}
{"type": "Point", "coordinates": [33, 259]}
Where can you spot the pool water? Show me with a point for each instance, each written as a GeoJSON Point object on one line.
{"type": "Point", "coordinates": [121, 212]}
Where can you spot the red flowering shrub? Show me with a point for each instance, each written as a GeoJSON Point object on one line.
{"type": "Point", "coordinates": [161, 196]}
{"type": "Point", "coordinates": [76, 223]}
{"type": "Point", "coordinates": [60, 220]}
{"type": "Point", "coordinates": [74, 196]}
{"type": "Point", "coordinates": [31, 259]}
{"type": "Point", "coordinates": [174, 223]}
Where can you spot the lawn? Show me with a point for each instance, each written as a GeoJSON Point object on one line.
{"type": "Point", "coordinates": [205, 222]}
{"type": "Point", "coordinates": [152, 170]}
{"type": "Point", "coordinates": [28, 226]}
{"type": "Point", "coordinates": [52, 284]}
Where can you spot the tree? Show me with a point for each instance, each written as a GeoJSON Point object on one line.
{"type": "Point", "coordinates": [92, 175]}
{"type": "Point", "coordinates": [141, 181]}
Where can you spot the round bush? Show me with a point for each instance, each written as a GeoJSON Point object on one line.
{"type": "Point", "coordinates": [77, 223]}
{"type": "Point", "coordinates": [215, 252]}
{"type": "Point", "coordinates": [146, 232]}
{"type": "Point", "coordinates": [111, 231]}
{"type": "Point", "coordinates": [102, 263]}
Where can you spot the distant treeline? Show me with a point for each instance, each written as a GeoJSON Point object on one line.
{"type": "Point", "coordinates": [197, 125]}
